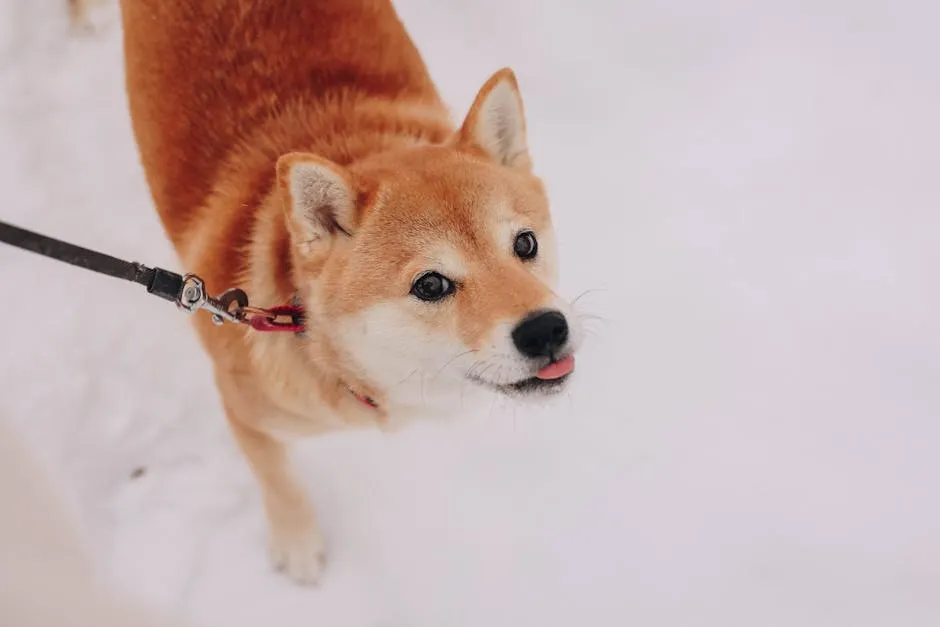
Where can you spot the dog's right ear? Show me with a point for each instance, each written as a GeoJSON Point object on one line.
{"type": "Point", "coordinates": [496, 122]}
{"type": "Point", "coordinates": [319, 199]}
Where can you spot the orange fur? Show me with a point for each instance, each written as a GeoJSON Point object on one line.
{"type": "Point", "coordinates": [233, 103]}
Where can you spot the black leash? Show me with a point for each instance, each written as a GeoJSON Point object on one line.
{"type": "Point", "coordinates": [187, 291]}
{"type": "Point", "coordinates": [159, 282]}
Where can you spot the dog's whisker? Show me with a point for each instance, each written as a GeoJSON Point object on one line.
{"type": "Point", "coordinates": [473, 367]}
{"type": "Point", "coordinates": [450, 361]}
{"type": "Point", "coordinates": [413, 372]}
{"type": "Point", "coordinates": [493, 403]}
{"type": "Point", "coordinates": [592, 316]}
{"type": "Point", "coordinates": [489, 367]}
{"type": "Point", "coordinates": [468, 378]}
{"type": "Point", "coordinates": [424, 398]}
{"type": "Point", "coordinates": [592, 290]}
{"type": "Point", "coordinates": [486, 367]}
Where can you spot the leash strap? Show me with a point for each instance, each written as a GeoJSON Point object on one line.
{"type": "Point", "coordinates": [159, 282]}
{"type": "Point", "coordinates": [188, 292]}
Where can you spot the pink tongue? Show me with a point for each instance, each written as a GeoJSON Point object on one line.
{"type": "Point", "coordinates": [556, 370]}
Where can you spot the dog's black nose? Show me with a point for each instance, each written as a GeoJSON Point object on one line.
{"type": "Point", "coordinates": [541, 334]}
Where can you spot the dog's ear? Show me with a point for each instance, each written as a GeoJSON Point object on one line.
{"type": "Point", "coordinates": [496, 122]}
{"type": "Point", "coordinates": [319, 198]}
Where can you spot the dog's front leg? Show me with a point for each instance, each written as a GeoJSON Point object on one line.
{"type": "Point", "coordinates": [295, 542]}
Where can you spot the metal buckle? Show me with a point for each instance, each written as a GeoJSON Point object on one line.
{"type": "Point", "coordinates": [228, 307]}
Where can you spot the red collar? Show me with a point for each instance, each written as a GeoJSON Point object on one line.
{"type": "Point", "coordinates": [289, 318]}
{"type": "Point", "coordinates": [365, 400]}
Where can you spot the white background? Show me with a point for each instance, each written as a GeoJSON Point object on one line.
{"type": "Point", "coordinates": [752, 188]}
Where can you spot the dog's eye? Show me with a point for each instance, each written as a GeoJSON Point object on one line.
{"type": "Point", "coordinates": [432, 286]}
{"type": "Point", "coordinates": [526, 246]}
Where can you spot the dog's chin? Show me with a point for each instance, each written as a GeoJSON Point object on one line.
{"type": "Point", "coordinates": [532, 387]}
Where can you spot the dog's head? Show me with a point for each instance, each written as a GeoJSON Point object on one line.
{"type": "Point", "coordinates": [436, 263]}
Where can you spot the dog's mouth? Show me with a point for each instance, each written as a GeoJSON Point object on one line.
{"type": "Point", "coordinates": [550, 379]}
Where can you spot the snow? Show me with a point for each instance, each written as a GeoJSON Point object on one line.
{"type": "Point", "coordinates": [751, 191]}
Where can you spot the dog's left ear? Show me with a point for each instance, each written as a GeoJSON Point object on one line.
{"type": "Point", "coordinates": [496, 122]}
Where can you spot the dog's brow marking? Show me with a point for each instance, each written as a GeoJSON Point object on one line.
{"type": "Point", "coordinates": [444, 258]}
{"type": "Point", "coordinates": [506, 224]}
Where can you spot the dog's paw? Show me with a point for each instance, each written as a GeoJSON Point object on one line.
{"type": "Point", "coordinates": [297, 550]}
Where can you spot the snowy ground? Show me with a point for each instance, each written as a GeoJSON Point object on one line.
{"type": "Point", "coordinates": [753, 440]}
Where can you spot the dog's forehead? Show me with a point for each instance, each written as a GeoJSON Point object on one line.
{"type": "Point", "coordinates": [436, 189]}
{"type": "Point", "coordinates": [437, 208]}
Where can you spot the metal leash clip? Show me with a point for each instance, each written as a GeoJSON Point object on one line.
{"type": "Point", "coordinates": [228, 307]}
{"type": "Point", "coordinates": [232, 306]}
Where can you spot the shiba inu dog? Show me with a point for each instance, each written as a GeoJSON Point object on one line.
{"type": "Point", "coordinates": [299, 149]}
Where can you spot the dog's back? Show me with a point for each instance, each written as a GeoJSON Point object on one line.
{"type": "Point", "coordinates": [205, 75]}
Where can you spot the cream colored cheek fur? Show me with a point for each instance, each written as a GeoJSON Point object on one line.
{"type": "Point", "coordinates": [410, 364]}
